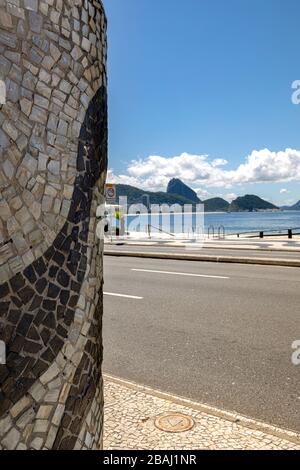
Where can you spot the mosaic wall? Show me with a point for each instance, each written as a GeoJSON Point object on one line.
{"type": "Point", "coordinates": [53, 152]}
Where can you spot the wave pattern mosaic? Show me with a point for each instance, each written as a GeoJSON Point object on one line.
{"type": "Point", "coordinates": [53, 156]}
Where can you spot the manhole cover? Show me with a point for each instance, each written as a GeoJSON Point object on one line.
{"type": "Point", "coordinates": [174, 422]}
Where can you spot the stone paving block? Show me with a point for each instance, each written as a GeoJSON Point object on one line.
{"type": "Point", "coordinates": [131, 411]}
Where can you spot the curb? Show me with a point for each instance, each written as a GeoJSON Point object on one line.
{"type": "Point", "coordinates": [211, 247]}
{"type": "Point", "coordinates": [210, 410]}
{"type": "Point", "coordinates": [207, 258]}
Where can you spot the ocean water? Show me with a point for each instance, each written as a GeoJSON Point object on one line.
{"type": "Point", "coordinates": [233, 222]}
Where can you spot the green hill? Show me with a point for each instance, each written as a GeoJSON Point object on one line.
{"type": "Point", "coordinates": [251, 203]}
{"type": "Point", "coordinates": [216, 204]}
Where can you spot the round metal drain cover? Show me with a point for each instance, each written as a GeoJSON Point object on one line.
{"type": "Point", "coordinates": [174, 422]}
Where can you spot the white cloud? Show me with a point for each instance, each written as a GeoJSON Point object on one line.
{"type": "Point", "coordinates": [203, 193]}
{"type": "Point", "coordinates": [289, 202]}
{"type": "Point", "coordinates": [284, 191]}
{"type": "Point", "coordinates": [199, 171]}
{"type": "Point", "coordinates": [230, 197]}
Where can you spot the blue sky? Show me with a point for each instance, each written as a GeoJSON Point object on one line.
{"type": "Point", "coordinates": [195, 87]}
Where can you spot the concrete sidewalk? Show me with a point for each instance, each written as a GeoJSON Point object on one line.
{"type": "Point", "coordinates": [131, 413]}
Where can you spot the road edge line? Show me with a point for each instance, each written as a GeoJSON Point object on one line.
{"type": "Point", "coordinates": [240, 420]}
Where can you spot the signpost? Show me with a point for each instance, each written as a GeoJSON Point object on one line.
{"type": "Point", "coordinates": [111, 198]}
{"type": "Point", "coordinates": [110, 193]}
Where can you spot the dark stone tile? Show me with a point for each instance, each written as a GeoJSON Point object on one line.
{"type": "Point", "coordinates": [64, 297]}
{"type": "Point", "coordinates": [39, 317]}
{"type": "Point", "coordinates": [73, 301]}
{"type": "Point", "coordinates": [63, 278]}
{"type": "Point", "coordinates": [74, 257]}
{"type": "Point", "coordinates": [53, 291]}
{"type": "Point", "coordinates": [60, 312]}
{"type": "Point", "coordinates": [49, 321]}
{"type": "Point", "coordinates": [62, 332]}
{"type": "Point", "coordinates": [24, 324]}
{"type": "Point", "coordinates": [72, 268]}
{"type": "Point", "coordinates": [40, 266]}
{"type": "Point", "coordinates": [5, 404]}
{"type": "Point", "coordinates": [7, 331]}
{"type": "Point", "coordinates": [32, 347]}
{"type": "Point", "coordinates": [76, 422]}
{"type": "Point", "coordinates": [49, 305]}
{"type": "Point", "coordinates": [59, 258]}
{"type": "Point", "coordinates": [4, 374]}
{"type": "Point", "coordinates": [75, 286]}
{"type": "Point", "coordinates": [56, 344]}
{"type": "Point", "coordinates": [30, 274]}
{"type": "Point", "coordinates": [59, 240]}
{"type": "Point", "coordinates": [17, 282]}
{"type": "Point", "coordinates": [69, 317]}
{"type": "Point", "coordinates": [53, 271]}
{"type": "Point", "coordinates": [4, 290]}
{"type": "Point", "coordinates": [28, 370]}
{"type": "Point", "coordinates": [26, 294]}
{"type": "Point", "coordinates": [33, 334]}
{"type": "Point", "coordinates": [39, 367]}
{"type": "Point", "coordinates": [49, 253]}
{"type": "Point", "coordinates": [80, 276]}
{"type": "Point", "coordinates": [66, 421]}
{"type": "Point", "coordinates": [14, 316]}
{"type": "Point", "coordinates": [66, 246]}
{"type": "Point", "coordinates": [17, 302]}
{"type": "Point", "coordinates": [4, 306]}
{"type": "Point", "coordinates": [45, 335]}
{"type": "Point", "coordinates": [83, 263]}
{"type": "Point", "coordinates": [17, 344]}
{"type": "Point", "coordinates": [36, 303]}
{"type": "Point", "coordinates": [75, 233]}
{"type": "Point", "coordinates": [41, 285]}
{"type": "Point", "coordinates": [48, 355]}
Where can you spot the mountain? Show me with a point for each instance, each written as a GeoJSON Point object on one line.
{"type": "Point", "coordinates": [216, 204]}
{"type": "Point", "coordinates": [295, 207]}
{"type": "Point", "coordinates": [135, 196]}
{"type": "Point", "coordinates": [177, 187]}
{"type": "Point", "coordinates": [251, 203]}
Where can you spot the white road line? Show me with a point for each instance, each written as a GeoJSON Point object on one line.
{"type": "Point", "coordinates": [180, 274]}
{"type": "Point", "coordinates": [112, 294]}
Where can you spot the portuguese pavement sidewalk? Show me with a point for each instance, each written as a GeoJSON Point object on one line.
{"type": "Point", "coordinates": [133, 416]}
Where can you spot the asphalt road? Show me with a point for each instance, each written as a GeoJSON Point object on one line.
{"type": "Point", "coordinates": [251, 253]}
{"type": "Point", "coordinates": [224, 340]}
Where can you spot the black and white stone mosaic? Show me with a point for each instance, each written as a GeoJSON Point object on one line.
{"type": "Point", "coordinates": [53, 152]}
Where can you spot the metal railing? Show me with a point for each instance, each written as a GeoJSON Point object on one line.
{"type": "Point", "coordinates": [221, 232]}
{"type": "Point", "coordinates": [270, 233]}
{"type": "Point", "coordinates": [149, 226]}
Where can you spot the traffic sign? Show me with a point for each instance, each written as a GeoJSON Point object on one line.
{"type": "Point", "coordinates": [110, 193]}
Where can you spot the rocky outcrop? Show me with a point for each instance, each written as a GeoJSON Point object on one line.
{"type": "Point", "coordinates": [176, 186]}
